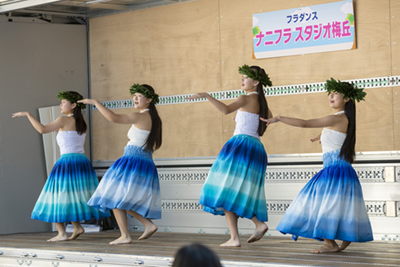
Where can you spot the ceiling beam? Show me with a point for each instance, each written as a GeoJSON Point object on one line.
{"type": "Point", "coordinates": [97, 5]}
{"type": "Point", "coordinates": [24, 4]}
{"type": "Point", "coordinates": [132, 6]}
{"type": "Point", "coordinates": [65, 14]}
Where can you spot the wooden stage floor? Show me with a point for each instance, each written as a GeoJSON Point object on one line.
{"type": "Point", "coordinates": [269, 251]}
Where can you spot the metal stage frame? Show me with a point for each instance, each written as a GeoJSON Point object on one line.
{"type": "Point", "coordinates": [93, 250]}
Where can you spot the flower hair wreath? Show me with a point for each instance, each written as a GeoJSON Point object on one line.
{"type": "Point", "coordinates": [137, 88]}
{"type": "Point", "coordinates": [73, 98]}
{"type": "Point", "coordinates": [255, 75]}
{"type": "Point", "coordinates": [346, 89]}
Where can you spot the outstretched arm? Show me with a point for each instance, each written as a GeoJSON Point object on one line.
{"type": "Point", "coordinates": [51, 127]}
{"type": "Point", "coordinates": [327, 121]}
{"type": "Point", "coordinates": [225, 109]}
{"type": "Point", "coordinates": [130, 118]}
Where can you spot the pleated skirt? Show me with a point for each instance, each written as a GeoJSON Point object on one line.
{"type": "Point", "coordinates": [71, 183]}
{"type": "Point", "coordinates": [131, 183]}
{"type": "Point", "coordinates": [330, 206]}
{"type": "Point", "coordinates": [236, 180]}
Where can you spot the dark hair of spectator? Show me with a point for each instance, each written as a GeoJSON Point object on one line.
{"type": "Point", "coordinates": [196, 255]}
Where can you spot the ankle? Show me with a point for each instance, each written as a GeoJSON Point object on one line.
{"type": "Point", "coordinates": [331, 244]}
{"type": "Point", "coordinates": [150, 226]}
{"type": "Point", "coordinates": [126, 236]}
{"type": "Point", "coordinates": [261, 225]}
{"type": "Point", "coordinates": [235, 238]}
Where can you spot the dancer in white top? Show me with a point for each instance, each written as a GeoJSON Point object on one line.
{"type": "Point", "coordinates": [331, 204]}
{"type": "Point", "coordinates": [131, 185]}
{"type": "Point", "coordinates": [235, 184]}
{"type": "Point", "coordinates": [72, 180]}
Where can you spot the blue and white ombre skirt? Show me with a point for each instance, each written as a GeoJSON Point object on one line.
{"type": "Point", "coordinates": [236, 180]}
{"type": "Point", "coordinates": [69, 186]}
{"type": "Point", "coordinates": [330, 206]}
{"type": "Point", "coordinates": [131, 183]}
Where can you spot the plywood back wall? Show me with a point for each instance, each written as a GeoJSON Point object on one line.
{"type": "Point", "coordinates": [198, 46]}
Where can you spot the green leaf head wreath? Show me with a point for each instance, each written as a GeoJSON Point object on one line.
{"type": "Point", "coordinates": [346, 89]}
{"type": "Point", "coordinates": [257, 75]}
{"type": "Point", "coordinates": [71, 97]}
{"type": "Point", "coordinates": [137, 88]}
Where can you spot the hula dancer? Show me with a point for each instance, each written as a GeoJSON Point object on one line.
{"type": "Point", "coordinates": [72, 180]}
{"type": "Point", "coordinates": [235, 184]}
{"type": "Point", "coordinates": [131, 185]}
{"type": "Point", "coordinates": [331, 204]}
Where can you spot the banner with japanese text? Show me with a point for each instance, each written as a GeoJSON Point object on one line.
{"type": "Point", "coordinates": [304, 30]}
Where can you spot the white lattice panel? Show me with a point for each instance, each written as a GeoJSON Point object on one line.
{"type": "Point", "coordinates": [273, 174]}
{"type": "Point", "coordinates": [290, 175]}
{"type": "Point", "coordinates": [374, 208]}
{"type": "Point", "coordinates": [183, 175]}
{"type": "Point", "coordinates": [181, 187]}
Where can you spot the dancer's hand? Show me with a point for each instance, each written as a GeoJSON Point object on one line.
{"type": "Point", "coordinates": [271, 120]}
{"type": "Point", "coordinates": [20, 114]}
{"type": "Point", "coordinates": [316, 139]}
{"type": "Point", "coordinates": [198, 95]}
{"type": "Point", "coordinates": [88, 101]}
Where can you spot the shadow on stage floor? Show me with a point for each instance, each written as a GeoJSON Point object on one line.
{"type": "Point", "coordinates": [30, 248]}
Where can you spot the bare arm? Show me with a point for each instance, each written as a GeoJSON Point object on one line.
{"type": "Point", "coordinates": [328, 121]}
{"type": "Point", "coordinates": [51, 127]}
{"type": "Point", "coordinates": [130, 118]}
{"type": "Point", "coordinates": [318, 138]}
{"type": "Point", "coordinates": [225, 109]}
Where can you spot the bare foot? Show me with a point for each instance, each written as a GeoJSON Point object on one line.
{"type": "Point", "coordinates": [149, 231]}
{"type": "Point", "coordinates": [326, 249]}
{"type": "Point", "coordinates": [121, 240]}
{"type": "Point", "coordinates": [77, 232]}
{"type": "Point", "coordinates": [231, 243]}
{"type": "Point", "coordinates": [58, 238]}
{"type": "Point", "coordinates": [344, 245]}
{"type": "Point", "coordinates": [258, 233]}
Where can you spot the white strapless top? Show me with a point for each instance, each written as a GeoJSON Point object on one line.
{"type": "Point", "coordinates": [247, 123]}
{"type": "Point", "coordinates": [331, 140]}
{"type": "Point", "coordinates": [137, 136]}
{"type": "Point", "coordinates": [70, 142]}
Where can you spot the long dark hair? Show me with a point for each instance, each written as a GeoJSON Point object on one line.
{"type": "Point", "coordinates": [196, 255]}
{"type": "Point", "coordinates": [80, 123]}
{"type": "Point", "coordinates": [262, 126]}
{"type": "Point", "coordinates": [154, 140]}
{"type": "Point", "coordinates": [347, 152]}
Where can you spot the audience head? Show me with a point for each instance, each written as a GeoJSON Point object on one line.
{"type": "Point", "coordinates": [196, 255]}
